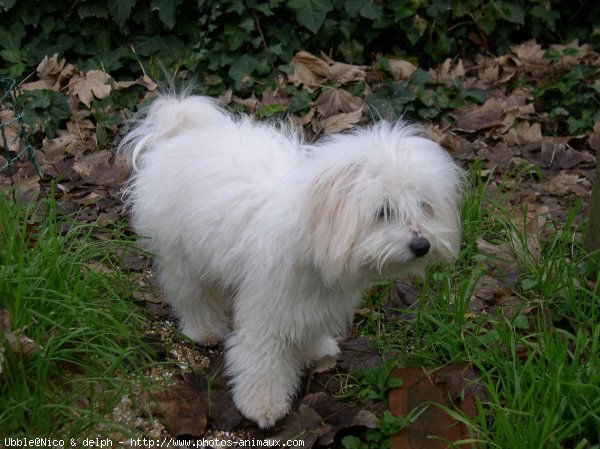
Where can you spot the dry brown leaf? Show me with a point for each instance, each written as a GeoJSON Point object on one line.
{"type": "Point", "coordinates": [145, 81]}
{"type": "Point", "coordinates": [342, 73]}
{"type": "Point", "coordinates": [225, 97]}
{"type": "Point", "coordinates": [53, 72]}
{"type": "Point", "coordinates": [555, 154]}
{"type": "Point", "coordinates": [81, 126]}
{"type": "Point", "coordinates": [37, 85]}
{"type": "Point", "coordinates": [530, 56]}
{"type": "Point", "coordinates": [305, 120]}
{"type": "Point", "coordinates": [490, 74]}
{"type": "Point", "coordinates": [475, 118]}
{"type": "Point", "coordinates": [447, 71]}
{"type": "Point", "coordinates": [22, 345]}
{"type": "Point", "coordinates": [309, 70]}
{"type": "Point", "coordinates": [148, 83]}
{"type": "Point", "coordinates": [563, 184]}
{"type": "Point", "coordinates": [491, 293]}
{"type": "Point", "coordinates": [402, 298]}
{"type": "Point", "coordinates": [27, 187]}
{"type": "Point", "coordinates": [508, 68]}
{"type": "Point", "coordinates": [529, 50]}
{"type": "Point", "coordinates": [304, 424]}
{"type": "Point", "coordinates": [338, 416]}
{"type": "Point", "coordinates": [277, 96]}
{"type": "Point", "coordinates": [18, 342]}
{"type": "Point", "coordinates": [251, 103]}
{"type": "Point", "coordinates": [567, 62]}
{"type": "Point", "coordinates": [89, 165]}
{"type": "Point", "coordinates": [452, 387]}
{"type": "Point", "coordinates": [358, 354]}
{"type": "Point", "coordinates": [523, 245]}
{"type": "Point", "coordinates": [401, 69]}
{"type": "Point", "coordinates": [501, 253]}
{"type": "Point", "coordinates": [98, 267]}
{"type": "Point", "coordinates": [92, 84]}
{"type": "Point", "coordinates": [324, 364]}
{"type": "Point", "coordinates": [120, 85]}
{"type": "Point", "coordinates": [50, 66]}
{"type": "Point", "coordinates": [334, 101]}
{"type": "Point", "coordinates": [182, 410]}
{"type": "Point", "coordinates": [100, 169]}
{"type": "Point", "coordinates": [10, 131]}
{"type": "Point", "coordinates": [54, 150]}
{"type": "Point", "coordinates": [511, 114]}
{"type": "Point", "coordinates": [526, 239]}
{"type": "Point", "coordinates": [341, 122]}
{"type": "Point", "coordinates": [524, 133]}
{"type": "Point", "coordinates": [594, 137]}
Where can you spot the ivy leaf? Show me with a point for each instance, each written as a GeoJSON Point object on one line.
{"type": "Point", "coordinates": [10, 38]}
{"type": "Point", "coordinates": [419, 78]}
{"type": "Point", "coordinates": [392, 102]}
{"type": "Point", "coordinates": [511, 12]}
{"type": "Point", "coordinates": [351, 442]}
{"type": "Point", "coordinates": [311, 13]}
{"type": "Point", "coordinates": [166, 11]}
{"type": "Point", "coordinates": [475, 95]}
{"type": "Point", "coordinates": [7, 4]}
{"type": "Point", "coordinates": [16, 65]}
{"type": "Point", "coordinates": [92, 10]}
{"type": "Point", "coordinates": [438, 8]}
{"type": "Point", "coordinates": [45, 110]}
{"type": "Point", "coordinates": [366, 8]}
{"type": "Point", "coordinates": [121, 10]}
{"type": "Point", "coordinates": [241, 71]}
{"type": "Point", "coordinates": [547, 15]}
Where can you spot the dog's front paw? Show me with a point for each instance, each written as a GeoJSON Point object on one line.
{"type": "Point", "coordinates": [263, 412]}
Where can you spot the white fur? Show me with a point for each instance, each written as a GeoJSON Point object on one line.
{"type": "Point", "coordinates": [266, 242]}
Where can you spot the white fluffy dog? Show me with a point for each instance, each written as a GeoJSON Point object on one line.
{"type": "Point", "coordinates": [266, 241]}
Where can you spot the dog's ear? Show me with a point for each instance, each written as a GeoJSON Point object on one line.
{"type": "Point", "coordinates": [333, 219]}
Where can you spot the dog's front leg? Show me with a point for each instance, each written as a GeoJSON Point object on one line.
{"type": "Point", "coordinates": [264, 372]}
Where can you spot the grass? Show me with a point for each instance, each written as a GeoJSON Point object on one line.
{"type": "Point", "coordinates": [63, 289]}
{"type": "Point", "coordinates": [539, 363]}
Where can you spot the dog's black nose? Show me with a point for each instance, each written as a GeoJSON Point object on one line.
{"type": "Point", "coordinates": [419, 246]}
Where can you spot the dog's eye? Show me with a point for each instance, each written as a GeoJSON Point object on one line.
{"type": "Point", "coordinates": [427, 209]}
{"type": "Point", "coordinates": [385, 213]}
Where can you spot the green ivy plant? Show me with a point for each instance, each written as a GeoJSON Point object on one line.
{"type": "Point", "coordinates": [419, 97]}
{"type": "Point", "coordinates": [238, 42]}
{"type": "Point", "coordinates": [573, 103]}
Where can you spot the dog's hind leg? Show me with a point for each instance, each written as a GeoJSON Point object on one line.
{"type": "Point", "coordinates": [203, 310]}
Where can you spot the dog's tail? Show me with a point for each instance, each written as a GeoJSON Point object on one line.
{"type": "Point", "coordinates": [168, 116]}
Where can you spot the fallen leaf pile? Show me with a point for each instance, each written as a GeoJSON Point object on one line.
{"type": "Point", "coordinates": [86, 176]}
{"type": "Point", "coordinates": [504, 132]}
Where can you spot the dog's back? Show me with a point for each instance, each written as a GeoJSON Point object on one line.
{"type": "Point", "coordinates": [199, 172]}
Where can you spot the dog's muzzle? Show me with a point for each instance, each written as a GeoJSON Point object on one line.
{"type": "Point", "coordinates": [419, 246]}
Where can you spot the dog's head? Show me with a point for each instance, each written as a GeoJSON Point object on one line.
{"type": "Point", "coordinates": [382, 201]}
